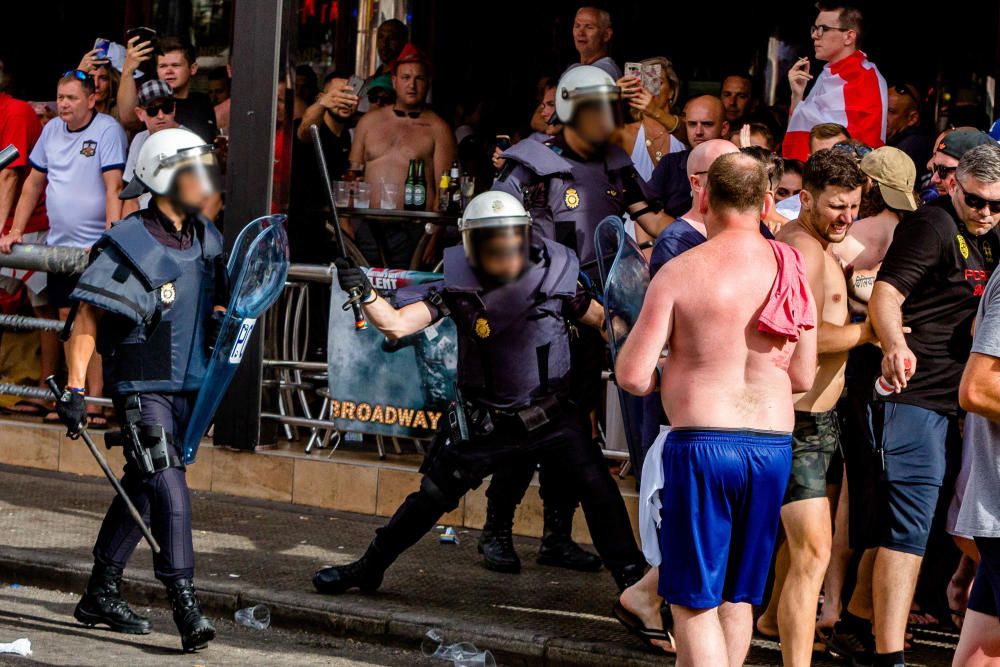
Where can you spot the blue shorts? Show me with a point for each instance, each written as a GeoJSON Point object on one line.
{"type": "Point", "coordinates": [985, 595]}
{"type": "Point", "coordinates": [722, 493]}
{"type": "Point", "coordinates": [915, 441]}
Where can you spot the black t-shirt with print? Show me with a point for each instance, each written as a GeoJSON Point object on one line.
{"type": "Point", "coordinates": [942, 271]}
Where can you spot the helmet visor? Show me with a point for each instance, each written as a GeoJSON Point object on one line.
{"type": "Point", "coordinates": [196, 175]}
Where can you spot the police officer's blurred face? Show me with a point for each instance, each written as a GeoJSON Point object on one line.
{"type": "Point", "coordinates": [735, 97]}
{"type": "Point", "coordinates": [74, 103]}
{"type": "Point", "coordinates": [503, 256]}
{"type": "Point", "coordinates": [410, 83]}
{"type": "Point", "coordinates": [595, 122]}
{"type": "Point", "coordinates": [971, 199]}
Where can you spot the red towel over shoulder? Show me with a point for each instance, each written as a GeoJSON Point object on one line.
{"type": "Point", "coordinates": [788, 309]}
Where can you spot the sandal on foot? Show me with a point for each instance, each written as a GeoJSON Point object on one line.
{"type": "Point", "coordinates": [634, 625]}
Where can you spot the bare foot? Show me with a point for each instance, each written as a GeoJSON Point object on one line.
{"type": "Point", "coordinates": [648, 611]}
{"type": "Point", "coordinates": [767, 629]}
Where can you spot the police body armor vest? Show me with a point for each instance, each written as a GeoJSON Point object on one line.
{"type": "Point", "coordinates": [513, 340]}
{"type": "Point", "coordinates": [579, 194]}
{"type": "Point", "coordinates": [158, 301]}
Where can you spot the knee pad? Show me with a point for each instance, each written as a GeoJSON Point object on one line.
{"type": "Point", "coordinates": [444, 501]}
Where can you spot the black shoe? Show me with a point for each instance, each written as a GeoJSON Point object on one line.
{"type": "Point", "coordinates": [196, 630]}
{"type": "Point", "coordinates": [558, 548]}
{"type": "Point", "coordinates": [365, 574]}
{"type": "Point", "coordinates": [496, 543]}
{"type": "Point", "coordinates": [629, 575]}
{"type": "Point", "coordinates": [102, 603]}
{"type": "Point", "coordinates": [852, 642]}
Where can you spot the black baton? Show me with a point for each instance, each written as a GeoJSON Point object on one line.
{"type": "Point", "coordinates": [354, 294]}
{"type": "Point", "coordinates": [51, 381]}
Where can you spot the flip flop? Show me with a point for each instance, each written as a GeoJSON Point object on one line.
{"type": "Point", "coordinates": [634, 625]}
{"type": "Point", "coordinates": [97, 421]}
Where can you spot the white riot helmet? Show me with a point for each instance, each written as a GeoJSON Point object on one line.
{"type": "Point", "coordinates": [492, 215]}
{"type": "Point", "coordinates": [164, 156]}
{"type": "Point", "coordinates": [581, 85]}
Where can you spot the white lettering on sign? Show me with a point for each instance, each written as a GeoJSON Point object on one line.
{"type": "Point", "coordinates": [242, 338]}
{"type": "Point", "coordinates": [384, 282]}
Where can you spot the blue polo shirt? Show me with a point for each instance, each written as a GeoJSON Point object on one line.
{"type": "Point", "coordinates": [74, 163]}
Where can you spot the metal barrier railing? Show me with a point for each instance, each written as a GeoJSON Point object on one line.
{"type": "Point", "coordinates": [289, 341]}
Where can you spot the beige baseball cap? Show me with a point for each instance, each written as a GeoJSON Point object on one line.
{"type": "Point", "coordinates": [895, 174]}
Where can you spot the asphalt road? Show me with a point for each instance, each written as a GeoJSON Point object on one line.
{"type": "Point", "coordinates": [45, 618]}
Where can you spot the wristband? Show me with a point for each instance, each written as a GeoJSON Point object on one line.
{"type": "Point", "coordinates": [371, 298]}
{"type": "Point", "coordinates": [74, 390]}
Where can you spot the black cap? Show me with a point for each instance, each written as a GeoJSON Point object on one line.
{"type": "Point", "coordinates": [958, 143]}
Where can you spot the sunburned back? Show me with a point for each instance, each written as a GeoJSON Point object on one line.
{"type": "Point", "coordinates": [721, 371]}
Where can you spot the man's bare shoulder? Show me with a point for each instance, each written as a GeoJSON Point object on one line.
{"type": "Point", "coordinates": [808, 245]}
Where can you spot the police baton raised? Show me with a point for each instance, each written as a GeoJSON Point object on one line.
{"type": "Point", "coordinates": [54, 388]}
{"type": "Point", "coordinates": [355, 294]}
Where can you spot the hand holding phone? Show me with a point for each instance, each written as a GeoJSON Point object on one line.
{"type": "Point", "coordinates": [100, 52]}
{"type": "Point", "coordinates": [503, 141]}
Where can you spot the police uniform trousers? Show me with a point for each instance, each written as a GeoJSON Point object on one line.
{"type": "Point", "coordinates": [452, 470]}
{"type": "Point", "coordinates": [161, 498]}
{"type": "Point", "coordinates": [558, 490]}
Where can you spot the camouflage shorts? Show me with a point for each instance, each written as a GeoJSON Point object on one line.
{"type": "Point", "coordinates": [815, 439]}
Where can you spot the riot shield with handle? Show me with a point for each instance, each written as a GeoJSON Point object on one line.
{"type": "Point", "coordinates": [258, 267]}
{"type": "Point", "coordinates": [625, 276]}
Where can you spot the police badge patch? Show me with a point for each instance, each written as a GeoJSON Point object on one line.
{"type": "Point", "coordinates": [89, 148]}
{"type": "Point", "coordinates": [572, 198]}
{"type": "Point", "coordinates": [168, 293]}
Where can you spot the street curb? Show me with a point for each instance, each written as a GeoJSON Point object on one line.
{"type": "Point", "coordinates": [345, 616]}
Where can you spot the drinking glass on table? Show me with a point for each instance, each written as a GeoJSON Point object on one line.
{"type": "Point", "coordinates": [342, 193]}
{"type": "Point", "coordinates": [362, 195]}
{"type": "Point", "coordinates": [390, 195]}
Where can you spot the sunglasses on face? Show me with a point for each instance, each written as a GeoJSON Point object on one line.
{"type": "Point", "coordinates": [854, 150]}
{"type": "Point", "coordinates": [406, 114]}
{"type": "Point", "coordinates": [166, 106]}
{"type": "Point", "coordinates": [820, 30]}
{"type": "Point", "coordinates": [977, 203]}
{"type": "Point", "coordinates": [380, 99]}
{"type": "Point", "coordinates": [942, 171]}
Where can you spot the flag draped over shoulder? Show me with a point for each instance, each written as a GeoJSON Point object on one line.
{"type": "Point", "coordinates": [850, 92]}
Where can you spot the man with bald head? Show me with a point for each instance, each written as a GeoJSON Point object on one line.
{"type": "Point", "coordinates": [704, 120]}
{"type": "Point", "coordinates": [726, 386]}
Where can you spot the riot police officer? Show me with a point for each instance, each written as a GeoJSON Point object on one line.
{"type": "Point", "coordinates": [568, 183]}
{"type": "Point", "coordinates": [149, 302]}
{"type": "Point", "coordinates": [513, 298]}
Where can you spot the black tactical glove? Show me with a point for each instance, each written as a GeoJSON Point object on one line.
{"type": "Point", "coordinates": [212, 329]}
{"type": "Point", "coordinates": [72, 411]}
{"type": "Point", "coordinates": [352, 278]}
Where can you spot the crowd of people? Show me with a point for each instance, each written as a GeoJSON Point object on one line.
{"type": "Point", "coordinates": [815, 365]}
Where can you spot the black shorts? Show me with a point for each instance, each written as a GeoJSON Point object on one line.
{"type": "Point", "coordinates": [985, 595]}
{"type": "Point", "coordinates": [58, 289]}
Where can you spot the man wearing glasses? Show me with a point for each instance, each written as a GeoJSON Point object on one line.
{"type": "Point", "coordinates": [156, 109]}
{"type": "Point", "coordinates": [931, 281]}
{"type": "Point", "coordinates": [949, 150]}
{"type": "Point", "coordinates": [849, 91]}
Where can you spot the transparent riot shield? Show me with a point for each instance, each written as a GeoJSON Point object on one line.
{"type": "Point", "coordinates": [258, 267]}
{"type": "Point", "coordinates": [625, 276]}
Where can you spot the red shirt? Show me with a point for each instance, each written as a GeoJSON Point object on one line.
{"type": "Point", "coordinates": [19, 125]}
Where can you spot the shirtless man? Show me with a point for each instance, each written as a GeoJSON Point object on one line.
{"type": "Point", "coordinates": [727, 387]}
{"type": "Point", "coordinates": [388, 138]}
{"type": "Point", "coordinates": [830, 198]}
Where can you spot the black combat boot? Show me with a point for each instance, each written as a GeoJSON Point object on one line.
{"type": "Point", "coordinates": [496, 544]}
{"type": "Point", "coordinates": [102, 603]}
{"type": "Point", "coordinates": [558, 548]}
{"type": "Point", "coordinates": [365, 574]}
{"type": "Point", "coordinates": [196, 630]}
